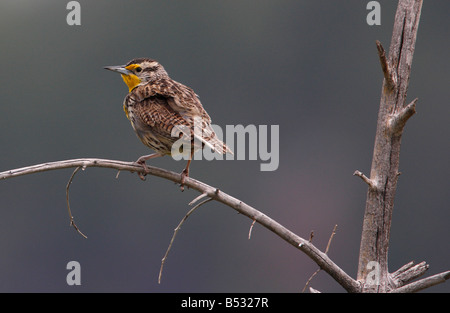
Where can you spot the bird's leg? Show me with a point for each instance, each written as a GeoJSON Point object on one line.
{"type": "Point", "coordinates": [141, 161]}
{"type": "Point", "coordinates": [185, 172]}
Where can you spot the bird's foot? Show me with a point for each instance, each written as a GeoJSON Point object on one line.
{"type": "Point", "coordinates": [184, 174]}
{"type": "Point", "coordinates": [141, 161]}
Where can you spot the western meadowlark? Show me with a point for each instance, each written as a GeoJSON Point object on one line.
{"type": "Point", "coordinates": [163, 111]}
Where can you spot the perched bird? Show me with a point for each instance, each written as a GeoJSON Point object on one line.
{"type": "Point", "coordinates": [163, 111]}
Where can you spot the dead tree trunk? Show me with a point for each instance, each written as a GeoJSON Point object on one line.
{"type": "Point", "coordinates": [393, 113]}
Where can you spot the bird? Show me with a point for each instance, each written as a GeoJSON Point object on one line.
{"type": "Point", "coordinates": [163, 112]}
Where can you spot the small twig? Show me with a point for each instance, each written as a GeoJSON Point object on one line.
{"type": "Point", "coordinates": [389, 74]}
{"type": "Point", "coordinates": [250, 230]}
{"type": "Point", "coordinates": [198, 198]}
{"type": "Point", "coordinates": [366, 179]}
{"type": "Point", "coordinates": [398, 120]}
{"type": "Point", "coordinates": [175, 234]}
{"type": "Point", "coordinates": [326, 251]}
{"type": "Point", "coordinates": [331, 238]}
{"type": "Point", "coordinates": [72, 222]}
{"type": "Point", "coordinates": [310, 278]}
{"type": "Point", "coordinates": [311, 236]}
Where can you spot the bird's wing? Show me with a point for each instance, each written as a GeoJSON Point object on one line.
{"type": "Point", "coordinates": [180, 98]}
{"type": "Point", "coordinates": [154, 111]}
{"type": "Point", "coordinates": [166, 104]}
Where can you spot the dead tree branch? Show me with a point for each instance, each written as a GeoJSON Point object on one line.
{"type": "Point", "coordinates": [326, 252]}
{"type": "Point", "coordinates": [424, 283]}
{"type": "Point", "coordinates": [72, 221]}
{"type": "Point", "coordinates": [319, 257]}
{"type": "Point", "coordinates": [175, 232]}
{"type": "Point", "coordinates": [392, 117]}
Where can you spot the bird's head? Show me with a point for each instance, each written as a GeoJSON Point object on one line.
{"type": "Point", "coordinates": [139, 71]}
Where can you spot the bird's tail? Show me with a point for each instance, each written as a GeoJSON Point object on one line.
{"type": "Point", "coordinates": [217, 145]}
{"type": "Point", "coordinates": [209, 138]}
{"type": "Point", "coordinates": [204, 133]}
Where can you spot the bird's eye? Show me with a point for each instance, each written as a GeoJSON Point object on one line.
{"type": "Point", "coordinates": [138, 69]}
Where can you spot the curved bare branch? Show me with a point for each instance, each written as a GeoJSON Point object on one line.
{"type": "Point", "coordinates": [319, 257]}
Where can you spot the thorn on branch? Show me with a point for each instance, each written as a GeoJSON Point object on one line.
{"type": "Point", "coordinates": [398, 120]}
{"type": "Point", "coordinates": [389, 75]}
{"type": "Point", "coordinates": [366, 179]}
{"type": "Point", "coordinates": [311, 236]}
{"type": "Point", "coordinates": [250, 230]}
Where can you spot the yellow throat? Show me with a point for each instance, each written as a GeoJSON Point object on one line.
{"type": "Point", "coordinates": [131, 80]}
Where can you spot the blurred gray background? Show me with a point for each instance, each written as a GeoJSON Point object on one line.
{"type": "Point", "coordinates": [309, 66]}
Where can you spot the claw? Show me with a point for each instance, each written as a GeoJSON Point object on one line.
{"type": "Point", "coordinates": [141, 161]}
{"type": "Point", "coordinates": [144, 166]}
{"type": "Point", "coordinates": [142, 176]}
{"type": "Point", "coordinates": [184, 174]}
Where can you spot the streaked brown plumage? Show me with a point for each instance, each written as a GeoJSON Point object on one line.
{"type": "Point", "coordinates": [162, 111]}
